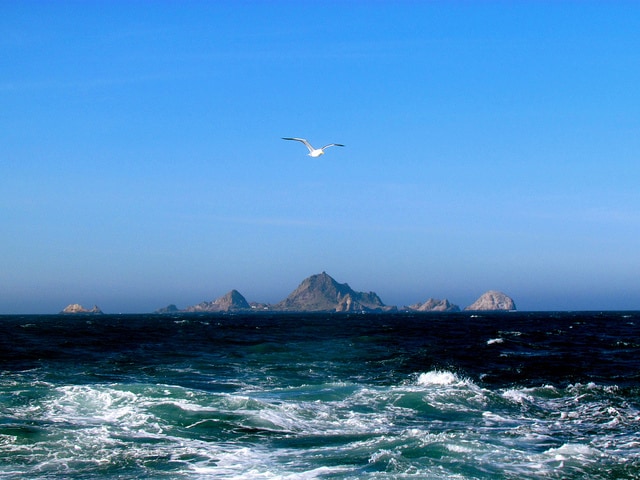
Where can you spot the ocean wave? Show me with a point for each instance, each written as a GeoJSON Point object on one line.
{"type": "Point", "coordinates": [438, 423]}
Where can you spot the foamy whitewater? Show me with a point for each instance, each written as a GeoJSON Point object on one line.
{"type": "Point", "coordinates": [431, 396]}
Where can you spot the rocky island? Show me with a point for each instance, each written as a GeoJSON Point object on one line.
{"type": "Point", "coordinates": [230, 302]}
{"type": "Point", "coordinates": [317, 293]}
{"type": "Point", "coordinates": [434, 305]}
{"type": "Point", "coordinates": [76, 308]}
{"type": "Point", "coordinates": [321, 293]}
{"type": "Point", "coordinates": [492, 301]}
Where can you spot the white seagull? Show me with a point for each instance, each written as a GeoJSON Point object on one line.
{"type": "Point", "coordinates": [314, 152]}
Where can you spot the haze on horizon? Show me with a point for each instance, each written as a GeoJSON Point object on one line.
{"type": "Point", "coordinates": [489, 145]}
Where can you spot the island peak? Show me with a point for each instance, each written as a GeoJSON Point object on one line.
{"type": "Point", "coordinates": [321, 293]}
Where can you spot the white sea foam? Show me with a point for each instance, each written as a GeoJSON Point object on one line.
{"type": "Point", "coordinates": [459, 448]}
{"type": "Point", "coordinates": [437, 377]}
{"type": "Point", "coordinates": [517, 396]}
{"type": "Point", "coordinates": [496, 419]}
{"type": "Point", "coordinates": [573, 451]}
{"type": "Point", "coordinates": [416, 428]}
{"type": "Point", "coordinates": [535, 395]}
{"type": "Point", "coordinates": [447, 392]}
{"type": "Point", "coordinates": [90, 405]}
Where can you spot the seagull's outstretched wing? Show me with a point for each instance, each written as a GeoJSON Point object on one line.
{"type": "Point", "coordinates": [332, 145]}
{"type": "Point", "coordinates": [311, 149]}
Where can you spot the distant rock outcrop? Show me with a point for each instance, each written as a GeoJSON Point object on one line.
{"type": "Point", "coordinates": [75, 308]}
{"type": "Point", "coordinates": [493, 300]}
{"type": "Point", "coordinates": [168, 309]}
{"type": "Point", "coordinates": [434, 305]}
{"type": "Point", "coordinates": [232, 301]}
{"type": "Point", "coordinates": [321, 293]}
{"type": "Point", "coordinates": [259, 306]}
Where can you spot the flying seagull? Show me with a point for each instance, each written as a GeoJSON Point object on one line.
{"type": "Point", "coordinates": [314, 152]}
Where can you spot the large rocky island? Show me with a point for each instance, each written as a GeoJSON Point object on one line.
{"type": "Point", "coordinates": [321, 293]}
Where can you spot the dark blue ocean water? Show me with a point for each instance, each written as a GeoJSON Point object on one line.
{"type": "Point", "coordinates": [462, 396]}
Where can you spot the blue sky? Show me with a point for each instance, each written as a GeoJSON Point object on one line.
{"type": "Point", "coordinates": [489, 145]}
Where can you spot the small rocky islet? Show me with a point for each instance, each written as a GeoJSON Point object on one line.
{"type": "Point", "coordinates": [76, 308]}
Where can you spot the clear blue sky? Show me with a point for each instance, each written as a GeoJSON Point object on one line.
{"type": "Point", "coordinates": [489, 145]}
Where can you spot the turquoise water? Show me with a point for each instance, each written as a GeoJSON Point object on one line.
{"type": "Point", "coordinates": [320, 396]}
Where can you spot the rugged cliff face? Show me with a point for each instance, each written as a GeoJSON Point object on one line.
{"type": "Point", "coordinates": [77, 308]}
{"type": "Point", "coordinates": [493, 300]}
{"type": "Point", "coordinates": [434, 305]}
{"type": "Point", "coordinates": [321, 293]}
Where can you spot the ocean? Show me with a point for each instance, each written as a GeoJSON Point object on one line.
{"type": "Point", "coordinates": [330, 396]}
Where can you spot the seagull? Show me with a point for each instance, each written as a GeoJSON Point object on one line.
{"type": "Point", "coordinates": [314, 152]}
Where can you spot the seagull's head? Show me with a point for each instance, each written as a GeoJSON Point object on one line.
{"type": "Point", "coordinates": [316, 153]}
